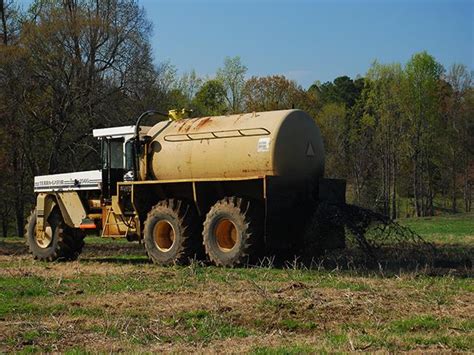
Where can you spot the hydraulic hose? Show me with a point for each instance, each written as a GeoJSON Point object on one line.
{"type": "Point", "coordinates": [137, 138]}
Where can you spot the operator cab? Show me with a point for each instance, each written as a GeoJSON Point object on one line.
{"type": "Point", "coordinates": [117, 156]}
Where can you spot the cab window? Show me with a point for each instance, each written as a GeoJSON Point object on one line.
{"type": "Point", "coordinates": [112, 153]}
{"type": "Point", "coordinates": [129, 155]}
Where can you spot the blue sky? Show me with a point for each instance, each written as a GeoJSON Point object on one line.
{"type": "Point", "coordinates": [309, 40]}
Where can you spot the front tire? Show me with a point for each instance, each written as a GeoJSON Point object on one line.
{"type": "Point", "coordinates": [171, 232]}
{"type": "Point", "coordinates": [58, 242]}
{"type": "Point", "coordinates": [233, 231]}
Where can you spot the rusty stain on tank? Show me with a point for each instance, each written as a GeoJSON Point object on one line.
{"type": "Point", "coordinates": [203, 121]}
{"type": "Point", "coordinates": [187, 128]}
{"type": "Point", "coordinates": [238, 118]}
{"type": "Point", "coordinates": [181, 124]}
{"type": "Point", "coordinates": [185, 125]}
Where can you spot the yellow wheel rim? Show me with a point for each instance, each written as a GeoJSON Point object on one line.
{"type": "Point", "coordinates": [225, 233]}
{"type": "Point", "coordinates": [44, 240]}
{"type": "Point", "coordinates": [164, 236]}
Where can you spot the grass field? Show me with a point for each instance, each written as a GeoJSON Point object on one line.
{"type": "Point", "coordinates": [113, 299]}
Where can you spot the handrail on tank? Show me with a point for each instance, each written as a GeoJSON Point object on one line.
{"type": "Point", "coordinates": [137, 138]}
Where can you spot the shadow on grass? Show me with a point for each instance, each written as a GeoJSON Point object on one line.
{"type": "Point", "coordinates": [130, 260]}
{"type": "Point", "coordinates": [443, 260]}
{"type": "Point", "coordinates": [13, 246]}
{"type": "Point", "coordinates": [92, 249]}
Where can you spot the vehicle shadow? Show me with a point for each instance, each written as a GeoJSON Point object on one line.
{"type": "Point", "coordinates": [131, 260]}
{"type": "Point", "coordinates": [13, 247]}
{"type": "Point", "coordinates": [432, 260]}
{"type": "Point", "coordinates": [441, 260]}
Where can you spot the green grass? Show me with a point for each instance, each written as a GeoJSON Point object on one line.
{"type": "Point", "coordinates": [204, 326]}
{"type": "Point", "coordinates": [17, 295]}
{"type": "Point", "coordinates": [114, 300]}
{"type": "Point", "coordinates": [417, 323]}
{"type": "Point", "coordinates": [294, 325]}
{"type": "Point", "coordinates": [283, 350]}
{"type": "Point", "coordinates": [444, 229]}
{"type": "Point", "coordinates": [76, 350]}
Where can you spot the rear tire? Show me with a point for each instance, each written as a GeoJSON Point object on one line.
{"type": "Point", "coordinates": [233, 231]}
{"type": "Point", "coordinates": [61, 242]}
{"type": "Point", "coordinates": [171, 233]}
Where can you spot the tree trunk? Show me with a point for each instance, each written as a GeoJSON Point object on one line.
{"type": "Point", "coordinates": [384, 185]}
{"type": "Point", "coordinates": [430, 202]}
{"type": "Point", "coordinates": [5, 226]}
{"type": "Point", "coordinates": [4, 22]}
{"type": "Point", "coordinates": [415, 187]}
{"type": "Point", "coordinates": [453, 186]}
{"type": "Point", "coordinates": [393, 214]}
{"type": "Point", "coordinates": [19, 214]}
{"type": "Point", "coordinates": [422, 186]}
{"type": "Point", "coordinates": [19, 204]}
{"type": "Point", "coordinates": [467, 192]}
{"type": "Point", "coordinates": [387, 193]}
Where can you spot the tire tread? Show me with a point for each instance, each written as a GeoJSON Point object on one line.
{"type": "Point", "coordinates": [70, 241]}
{"type": "Point", "coordinates": [187, 220]}
{"type": "Point", "coordinates": [252, 224]}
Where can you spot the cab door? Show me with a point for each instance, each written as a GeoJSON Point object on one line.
{"type": "Point", "coordinates": [112, 165]}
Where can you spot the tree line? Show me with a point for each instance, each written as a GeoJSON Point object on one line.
{"type": "Point", "coordinates": [402, 135]}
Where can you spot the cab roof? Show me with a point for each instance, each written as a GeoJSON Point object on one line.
{"type": "Point", "coordinates": [118, 132]}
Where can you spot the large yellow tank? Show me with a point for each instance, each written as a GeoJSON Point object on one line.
{"type": "Point", "coordinates": [277, 143]}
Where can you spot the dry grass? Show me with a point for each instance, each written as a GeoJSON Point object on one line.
{"type": "Point", "coordinates": [112, 299]}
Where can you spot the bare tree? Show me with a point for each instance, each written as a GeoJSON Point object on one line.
{"type": "Point", "coordinates": [232, 76]}
{"type": "Point", "coordinates": [460, 82]}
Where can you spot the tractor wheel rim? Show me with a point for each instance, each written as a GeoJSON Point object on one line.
{"type": "Point", "coordinates": [164, 235]}
{"type": "Point", "coordinates": [225, 234]}
{"type": "Point", "coordinates": [44, 240]}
